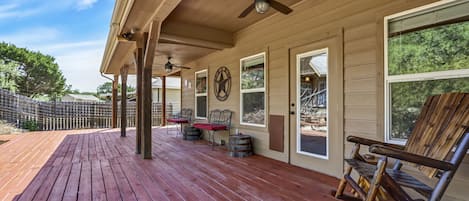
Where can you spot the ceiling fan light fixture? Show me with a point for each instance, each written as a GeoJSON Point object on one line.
{"type": "Point", "coordinates": [168, 67]}
{"type": "Point", "coordinates": [262, 6]}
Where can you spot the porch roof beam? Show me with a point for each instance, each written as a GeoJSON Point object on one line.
{"type": "Point", "coordinates": [195, 35]}
{"type": "Point", "coordinates": [153, 35]}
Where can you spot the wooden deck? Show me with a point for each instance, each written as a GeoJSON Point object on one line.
{"type": "Point", "coordinates": [100, 165]}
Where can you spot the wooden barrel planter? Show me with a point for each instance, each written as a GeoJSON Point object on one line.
{"type": "Point", "coordinates": [240, 146]}
{"type": "Point", "coordinates": [191, 133]}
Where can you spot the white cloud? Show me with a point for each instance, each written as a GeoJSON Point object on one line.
{"type": "Point", "coordinates": [31, 37]}
{"type": "Point", "coordinates": [13, 11]}
{"type": "Point", "coordinates": [60, 48]}
{"type": "Point", "coordinates": [28, 8]}
{"type": "Point", "coordinates": [85, 4]}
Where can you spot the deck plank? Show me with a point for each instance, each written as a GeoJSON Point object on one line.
{"type": "Point", "coordinates": [97, 181]}
{"type": "Point", "coordinates": [48, 183]}
{"type": "Point", "coordinates": [71, 190]}
{"type": "Point", "coordinates": [101, 165]}
{"type": "Point", "coordinates": [60, 184]}
{"type": "Point", "coordinates": [112, 189]}
{"type": "Point", "coordinates": [84, 189]}
{"type": "Point", "coordinates": [125, 189]}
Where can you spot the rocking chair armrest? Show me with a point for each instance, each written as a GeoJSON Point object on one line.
{"type": "Point", "coordinates": [369, 142]}
{"type": "Point", "coordinates": [410, 157]}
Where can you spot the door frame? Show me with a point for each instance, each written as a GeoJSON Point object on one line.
{"type": "Point", "coordinates": [338, 108]}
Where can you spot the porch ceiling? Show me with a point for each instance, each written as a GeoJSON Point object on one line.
{"type": "Point", "coordinates": [189, 31]}
{"type": "Point", "coordinates": [218, 14]}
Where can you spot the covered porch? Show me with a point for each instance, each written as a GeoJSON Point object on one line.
{"type": "Point", "coordinates": [101, 165]}
{"type": "Point", "coordinates": [299, 83]}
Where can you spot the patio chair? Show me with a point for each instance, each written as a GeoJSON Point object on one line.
{"type": "Point", "coordinates": [219, 120]}
{"type": "Point", "coordinates": [183, 117]}
{"type": "Point", "coordinates": [442, 125]}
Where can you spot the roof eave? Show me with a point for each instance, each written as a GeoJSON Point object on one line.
{"type": "Point", "coordinates": [121, 9]}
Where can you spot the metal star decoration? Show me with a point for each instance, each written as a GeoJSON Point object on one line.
{"type": "Point", "coordinates": [222, 83]}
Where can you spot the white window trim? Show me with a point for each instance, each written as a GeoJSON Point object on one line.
{"type": "Point", "coordinates": [298, 85]}
{"type": "Point", "coordinates": [201, 94]}
{"type": "Point", "coordinates": [243, 91]}
{"type": "Point", "coordinates": [388, 79]}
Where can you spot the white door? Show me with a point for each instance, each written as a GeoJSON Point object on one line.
{"type": "Point", "coordinates": [316, 106]}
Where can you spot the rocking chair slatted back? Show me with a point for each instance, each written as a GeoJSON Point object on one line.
{"type": "Point", "coordinates": [442, 121]}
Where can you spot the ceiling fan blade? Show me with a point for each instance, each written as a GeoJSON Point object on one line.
{"type": "Point", "coordinates": [280, 7]}
{"type": "Point", "coordinates": [185, 67]}
{"type": "Point", "coordinates": [247, 11]}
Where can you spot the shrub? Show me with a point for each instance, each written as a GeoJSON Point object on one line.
{"type": "Point", "coordinates": [30, 125]}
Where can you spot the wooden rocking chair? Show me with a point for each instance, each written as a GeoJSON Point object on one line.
{"type": "Point", "coordinates": [442, 125]}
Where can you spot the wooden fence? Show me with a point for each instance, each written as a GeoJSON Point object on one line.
{"type": "Point", "coordinates": [25, 112]}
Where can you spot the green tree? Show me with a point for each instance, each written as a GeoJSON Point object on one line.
{"type": "Point", "coordinates": [38, 74]}
{"type": "Point", "coordinates": [8, 75]}
{"type": "Point", "coordinates": [106, 88]}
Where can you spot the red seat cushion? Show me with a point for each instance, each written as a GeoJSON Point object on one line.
{"type": "Point", "coordinates": [178, 120]}
{"type": "Point", "coordinates": [211, 127]}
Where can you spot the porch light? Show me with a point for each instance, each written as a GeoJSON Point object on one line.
{"type": "Point", "coordinates": [262, 6]}
{"type": "Point", "coordinates": [307, 79]}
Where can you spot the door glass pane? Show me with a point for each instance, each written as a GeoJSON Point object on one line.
{"type": "Point", "coordinates": [312, 99]}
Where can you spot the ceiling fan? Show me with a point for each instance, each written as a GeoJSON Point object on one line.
{"type": "Point", "coordinates": [168, 67]}
{"type": "Point", "coordinates": [262, 6]}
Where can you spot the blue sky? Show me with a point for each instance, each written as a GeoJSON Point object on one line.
{"type": "Point", "coordinates": [73, 31]}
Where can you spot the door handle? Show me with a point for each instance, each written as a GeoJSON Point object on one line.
{"type": "Point", "coordinates": [292, 112]}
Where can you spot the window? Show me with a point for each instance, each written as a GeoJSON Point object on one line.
{"type": "Point", "coordinates": [253, 90]}
{"type": "Point", "coordinates": [201, 94]}
{"type": "Point", "coordinates": [426, 54]}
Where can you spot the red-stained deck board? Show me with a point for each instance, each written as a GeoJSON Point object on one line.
{"type": "Point", "coordinates": [71, 189]}
{"type": "Point", "coordinates": [77, 152]}
{"type": "Point", "coordinates": [152, 187]}
{"type": "Point", "coordinates": [84, 189]}
{"type": "Point", "coordinates": [134, 181]}
{"type": "Point", "coordinates": [29, 193]}
{"type": "Point", "coordinates": [60, 184]}
{"type": "Point", "coordinates": [46, 187]}
{"type": "Point", "coordinates": [101, 165]}
{"type": "Point", "coordinates": [97, 180]}
{"type": "Point", "coordinates": [112, 189]}
{"type": "Point", "coordinates": [125, 189]}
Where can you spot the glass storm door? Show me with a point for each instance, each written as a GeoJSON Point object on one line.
{"type": "Point", "coordinates": [316, 136]}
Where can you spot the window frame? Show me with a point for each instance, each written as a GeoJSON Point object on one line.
{"type": "Point", "coordinates": [414, 77]}
{"type": "Point", "coordinates": [200, 94]}
{"type": "Point", "coordinates": [243, 91]}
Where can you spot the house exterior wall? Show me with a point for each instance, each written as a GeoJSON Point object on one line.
{"type": "Point", "coordinates": [68, 99]}
{"type": "Point", "coordinates": [361, 22]}
{"type": "Point", "coordinates": [173, 96]}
